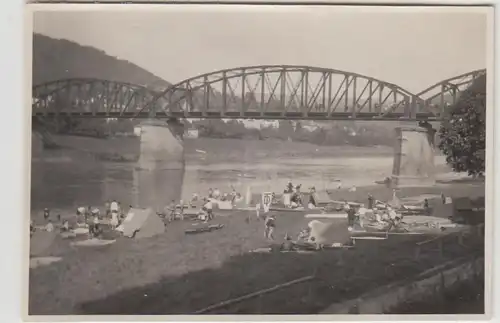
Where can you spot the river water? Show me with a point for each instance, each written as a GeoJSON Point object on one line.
{"type": "Point", "coordinates": [66, 183]}
{"type": "Point", "coordinates": [59, 184]}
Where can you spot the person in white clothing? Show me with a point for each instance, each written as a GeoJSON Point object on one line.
{"type": "Point", "coordinates": [114, 220]}
{"type": "Point", "coordinates": [257, 211]}
{"type": "Point", "coordinates": [208, 208]}
{"type": "Point", "coordinates": [114, 206]}
{"type": "Point", "coordinates": [49, 227]}
{"type": "Point", "coordinates": [361, 216]}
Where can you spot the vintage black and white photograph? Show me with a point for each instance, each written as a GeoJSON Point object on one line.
{"type": "Point", "coordinates": [258, 159]}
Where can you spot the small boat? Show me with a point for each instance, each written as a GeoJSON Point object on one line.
{"type": "Point", "coordinates": [209, 228]}
{"type": "Point", "coordinates": [286, 209]}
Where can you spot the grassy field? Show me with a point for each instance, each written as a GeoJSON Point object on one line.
{"type": "Point", "coordinates": [178, 274]}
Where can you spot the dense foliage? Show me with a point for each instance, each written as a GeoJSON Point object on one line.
{"type": "Point", "coordinates": [463, 133]}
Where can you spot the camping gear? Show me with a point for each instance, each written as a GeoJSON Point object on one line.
{"type": "Point", "coordinates": [267, 200]}
{"type": "Point", "coordinates": [322, 198]}
{"type": "Point", "coordinates": [141, 223]}
{"type": "Point", "coordinates": [209, 228]}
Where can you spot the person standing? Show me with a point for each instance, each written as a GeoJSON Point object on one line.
{"type": "Point", "coordinates": [351, 216]}
{"type": "Point", "coordinates": [114, 208]}
{"type": "Point", "coordinates": [96, 225]}
{"type": "Point", "coordinates": [114, 220]}
{"type": "Point", "coordinates": [371, 202]}
{"type": "Point", "coordinates": [270, 226]}
{"type": "Point", "coordinates": [46, 214]}
{"type": "Point", "coordinates": [107, 208]}
{"type": "Point", "coordinates": [208, 208]}
{"type": "Point", "coordinates": [427, 208]}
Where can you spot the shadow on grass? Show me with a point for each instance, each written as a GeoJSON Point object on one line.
{"type": "Point", "coordinates": [464, 297]}
{"type": "Point", "coordinates": [342, 274]}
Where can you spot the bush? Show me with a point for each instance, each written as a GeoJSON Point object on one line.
{"type": "Point", "coordinates": [463, 133]}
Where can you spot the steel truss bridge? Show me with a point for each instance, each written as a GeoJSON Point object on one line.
{"type": "Point", "coordinates": [254, 92]}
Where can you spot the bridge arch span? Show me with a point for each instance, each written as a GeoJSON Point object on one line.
{"type": "Point", "coordinates": [282, 91]}
{"type": "Point", "coordinates": [438, 97]}
{"type": "Point", "coordinates": [89, 97]}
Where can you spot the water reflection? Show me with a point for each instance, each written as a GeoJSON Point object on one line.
{"type": "Point", "coordinates": [69, 184]}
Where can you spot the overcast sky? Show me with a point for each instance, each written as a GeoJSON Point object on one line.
{"type": "Point", "coordinates": [411, 47]}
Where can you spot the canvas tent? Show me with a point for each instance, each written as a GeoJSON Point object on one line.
{"type": "Point", "coordinates": [322, 198]}
{"type": "Point", "coordinates": [141, 223]}
{"type": "Point", "coordinates": [328, 232]}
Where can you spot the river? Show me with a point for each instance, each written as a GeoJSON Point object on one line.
{"type": "Point", "coordinates": [67, 182]}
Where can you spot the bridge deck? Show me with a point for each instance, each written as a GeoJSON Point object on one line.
{"type": "Point", "coordinates": [246, 115]}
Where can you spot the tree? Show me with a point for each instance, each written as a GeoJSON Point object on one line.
{"type": "Point", "coordinates": [463, 133]}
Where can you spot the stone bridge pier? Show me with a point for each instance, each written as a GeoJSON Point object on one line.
{"type": "Point", "coordinates": [414, 156]}
{"type": "Point", "coordinates": [159, 172]}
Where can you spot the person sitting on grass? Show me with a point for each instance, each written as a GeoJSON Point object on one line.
{"type": "Point", "coordinates": [65, 226]}
{"type": "Point", "coordinates": [180, 210]}
{"type": "Point", "coordinates": [288, 244]}
{"type": "Point", "coordinates": [304, 235]}
{"type": "Point", "coordinates": [394, 219]}
{"type": "Point", "coordinates": [170, 211]}
{"type": "Point", "coordinates": [270, 226]}
{"type": "Point", "coordinates": [49, 227]}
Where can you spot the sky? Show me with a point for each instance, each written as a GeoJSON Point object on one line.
{"type": "Point", "coordinates": [413, 48]}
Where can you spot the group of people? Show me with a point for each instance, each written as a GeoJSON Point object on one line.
{"type": "Point", "coordinates": [89, 215]}
{"type": "Point", "coordinates": [295, 195]}
{"type": "Point", "coordinates": [92, 216]}
{"type": "Point", "coordinates": [357, 213]}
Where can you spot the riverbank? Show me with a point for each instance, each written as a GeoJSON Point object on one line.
{"type": "Point", "coordinates": [178, 274]}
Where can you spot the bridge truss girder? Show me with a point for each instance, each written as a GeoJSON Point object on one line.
{"type": "Point", "coordinates": [284, 92]}
{"type": "Point", "coordinates": [89, 97]}
{"type": "Point", "coordinates": [256, 92]}
{"type": "Point", "coordinates": [438, 97]}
